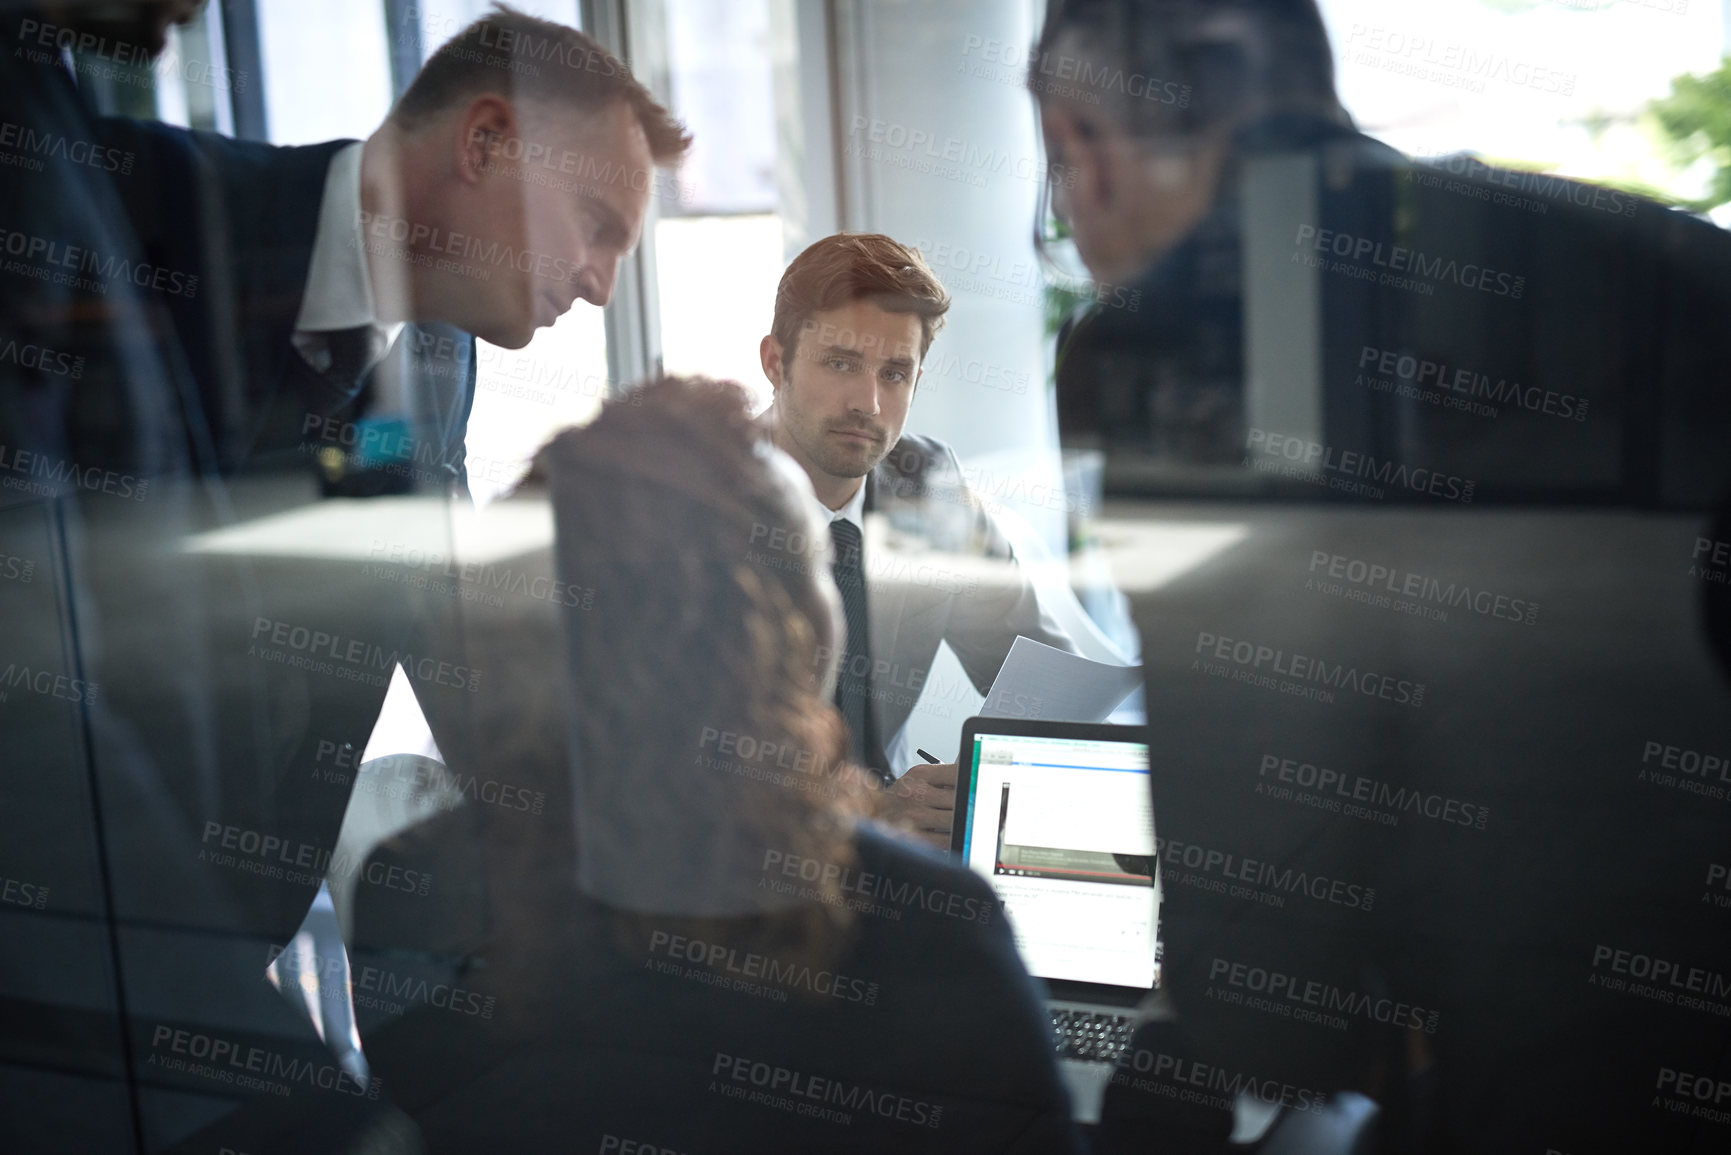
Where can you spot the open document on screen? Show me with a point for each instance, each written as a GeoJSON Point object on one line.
{"type": "Point", "coordinates": [1063, 829]}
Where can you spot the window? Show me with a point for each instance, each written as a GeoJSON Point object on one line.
{"type": "Point", "coordinates": [719, 240]}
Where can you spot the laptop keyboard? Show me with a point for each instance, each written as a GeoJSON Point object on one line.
{"type": "Point", "coordinates": [1088, 1036]}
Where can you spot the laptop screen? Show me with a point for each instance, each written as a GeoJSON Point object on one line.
{"type": "Point", "coordinates": [1063, 829]}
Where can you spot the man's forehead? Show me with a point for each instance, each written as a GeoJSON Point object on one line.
{"type": "Point", "coordinates": [863, 328]}
{"type": "Point", "coordinates": [604, 153]}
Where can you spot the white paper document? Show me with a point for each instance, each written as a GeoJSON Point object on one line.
{"type": "Point", "coordinates": [1051, 685]}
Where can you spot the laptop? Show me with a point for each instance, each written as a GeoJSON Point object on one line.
{"type": "Point", "coordinates": [1059, 818]}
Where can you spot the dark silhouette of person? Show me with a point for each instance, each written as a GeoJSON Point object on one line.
{"type": "Point", "coordinates": [195, 648]}
{"type": "Point", "coordinates": [1440, 729]}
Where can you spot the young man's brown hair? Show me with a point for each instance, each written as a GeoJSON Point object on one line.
{"type": "Point", "coordinates": [523, 57]}
{"type": "Point", "coordinates": [848, 267]}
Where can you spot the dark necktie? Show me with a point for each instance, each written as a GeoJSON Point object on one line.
{"type": "Point", "coordinates": [853, 686]}
{"type": "Point", "coordinates": [350, 350]}
{"type": "Point", "coordinates": [330, 388]}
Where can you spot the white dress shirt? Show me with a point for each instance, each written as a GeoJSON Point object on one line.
{"type": "Point", "coordinates": [339, 292]}
{"type": "Point", "coordinates": [853, 510]}
{"type": "Point", "coordinates": [339, 295]}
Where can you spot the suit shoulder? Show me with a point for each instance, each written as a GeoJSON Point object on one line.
{"type": "Point", "coordinates": [156, 137]}
{"type": "Point", "coordinates": [916, 464]}
{"type": "Point", "coordinates": [925, 908]}
{"type": "Point", "coordinates": [916, 455]}
{"type": "Point", "coordinates": [879, 848]}
{"type": "Point", "coordinates": [917, 875]}
{"type": "Point", "coordinates": [298, 168]}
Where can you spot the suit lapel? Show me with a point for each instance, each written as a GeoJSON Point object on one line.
{"type": "Point", "coordinates": [276, 205]}
{"type": "Point", "coordinates": [281, 251]}
{"type": "Point", "coordinates": [886, 602]}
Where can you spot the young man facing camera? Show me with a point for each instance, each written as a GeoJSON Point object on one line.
{"type": "Point", "coordinates": [855, 315]}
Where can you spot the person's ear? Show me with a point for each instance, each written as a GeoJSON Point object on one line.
{"type": "Point", "coordinates": [483, 130]}
{"type": "Point", "coordinates": [769, 353]}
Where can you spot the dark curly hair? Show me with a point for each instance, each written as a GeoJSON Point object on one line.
{"type": "Point", "coordinates": [694, 697]}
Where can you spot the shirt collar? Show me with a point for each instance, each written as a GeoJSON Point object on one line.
{"type": "Point", "coordinates": [853, 511]}
{"type": "Point", "coordinates": [339, 294]}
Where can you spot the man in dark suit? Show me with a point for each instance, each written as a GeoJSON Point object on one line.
{"type": "Point", "coordinates": [344, 285]}
{"type": "Point", "coordinates": [119, 715]}
{"type": "Point", "coordinates": [917, 556]}
{"type": "Point", "coordinates": [348, 279]}
{"type": "Point", "coordinates": [211, 314]}
{"type": "Point", "coordinates": [1396, 375]}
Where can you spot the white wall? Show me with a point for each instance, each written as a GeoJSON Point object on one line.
{"type": "Point", "coordinates": [938, 148]}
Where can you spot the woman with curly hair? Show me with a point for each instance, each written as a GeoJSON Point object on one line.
{"type": "Point", "coordinates": [701, 942]}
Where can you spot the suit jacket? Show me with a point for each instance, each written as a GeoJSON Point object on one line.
{"type": "Point", "coordinates": [164, 796]}
{"type": "Point", "coordinates": [243, 216]}
{"type": "Point", "coordinates": [938, 568]}
{"type": "Point", "coordinates": [241, 219]}
{"type": "Point", "coordinates": [91, 383]}
{"type": "Point", "coordinates": [943, 1049]}
{"type": "Point", "coordinates": [1514, 388]}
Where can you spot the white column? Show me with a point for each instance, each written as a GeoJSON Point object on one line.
{"type": "Point", "coordinates": [937, 144]}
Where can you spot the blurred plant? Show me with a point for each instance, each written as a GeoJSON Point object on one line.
{"type": "Point", "coordinates": [1695, 121]}
{"type": "Point", "coordinates": [1064, 292]}
{"type": "Point", "coordinates": [1061, 303]}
